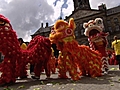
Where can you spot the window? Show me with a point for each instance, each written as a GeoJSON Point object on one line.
{"type": "Point", "coordinates": [117, 27]}
{"type": "Point", "coordinates": [82, 31]}
{"type": "Point", "coordinates": [108, 22]}
{"type": "Point", "coordinates": [110, 29]}
{"type": "Point", "coordinates": [76, 33]}
{"type": "Point", "coordinates": [115, 20]}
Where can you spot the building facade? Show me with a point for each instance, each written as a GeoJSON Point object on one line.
{"type": "Point", "coordinates": [43, 31]}
{"type": "Point", "coordinates": [83, 13]}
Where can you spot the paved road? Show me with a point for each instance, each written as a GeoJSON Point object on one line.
{"type": "Point", "coordinates": [106, 82]}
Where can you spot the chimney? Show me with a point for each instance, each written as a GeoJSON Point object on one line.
{"type": "Point", "coordinates": [41, 25]}
{"type": "Point", "coordinates": [102, 7]}
{"type": "Point", "coordinates": [47, 24]}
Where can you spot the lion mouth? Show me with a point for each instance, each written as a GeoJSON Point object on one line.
{"type": "Point", "coordinates": [93, 32]}
{"type": "Point", "coordinates": [94, 35]}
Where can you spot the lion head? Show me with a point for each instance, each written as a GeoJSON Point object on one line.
{"type": "Point", "coordinates": [62, 31]}
{"type": "Point", "coordinates": [93, 27]}
{"type": "Point", "coordinates": [94, 30]}
{"type": "Point", "coordinates": [4, 23]}
{"type": "Point", "coordinates": [8, 37]}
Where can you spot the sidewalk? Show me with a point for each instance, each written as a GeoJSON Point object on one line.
{"type": "Point", "coordinates": [111, 81]}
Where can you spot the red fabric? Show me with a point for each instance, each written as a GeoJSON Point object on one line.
{"type": "Point", "coordinates": [73, 55]}
{"type": "Point", "coordinates": [16, 59]}
{"type": "Point", "coordinates": [52, 63]}
{"type": "Point", "coordinates": [101, 48]}
{"type": "Point", "coordinates": [112, 60]}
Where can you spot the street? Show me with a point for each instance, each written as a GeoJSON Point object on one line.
{"type": "Point", "coordinates": [111, 81]}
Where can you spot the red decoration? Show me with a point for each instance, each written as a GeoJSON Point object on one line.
{"type": "Point", "coordinates": [74, 56]}
{"type": "Point", "coordinates": [16, 59]}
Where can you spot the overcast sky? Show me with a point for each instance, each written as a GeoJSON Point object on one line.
{"type": "Point", "coordinates": [26, 16]}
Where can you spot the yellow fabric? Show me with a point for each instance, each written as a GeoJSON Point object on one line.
{"type": "Point", "coordinates": [23, 46]}
{"type": "Point", "coordinates": [116, 47]}
{"type": "Point", "coordinates": [68, 39]}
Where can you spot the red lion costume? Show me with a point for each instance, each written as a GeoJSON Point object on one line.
{"type": "Point", "coordinates": [73, 55]}
{"type": "Point", "coordinates": [37, 53]}
{"type": "Point", "coordinates": [97, 39]}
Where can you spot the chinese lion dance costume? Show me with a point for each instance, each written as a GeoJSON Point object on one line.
{"type": "Point", "coordinates": [15, 60]}
{"type": "Point", "coordinates": [72, 55]}
{"type": "Point", "coordinates": [97, 39]}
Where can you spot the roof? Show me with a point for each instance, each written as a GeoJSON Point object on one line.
{"type": "Point", "coordinates": [42, 30]}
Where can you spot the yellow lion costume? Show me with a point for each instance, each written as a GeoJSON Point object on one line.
{"type": "Point", "coordinates": [76, 59]}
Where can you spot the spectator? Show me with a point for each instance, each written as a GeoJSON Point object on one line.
{"type": "Point", "coordinates": [22, 44]}
{"type": "Point", "coordinates": [116, 48]}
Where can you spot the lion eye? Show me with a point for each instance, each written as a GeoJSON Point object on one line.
{"type": "Point", "coordinates": [99, 22]}
{"type": "Point", "coordinates": [68, 32]}
{"type": "Point", "coordinates": [90, 25]}
{"type": "Point", "coordinates": [7, 24]}
{"type": "Point", "coordinates": [2, 23]}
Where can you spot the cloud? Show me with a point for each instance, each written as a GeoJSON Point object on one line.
{"type": "Point", "coordinates": [27, 16]}
{"type": "Point", "coordinates": [64, 5]}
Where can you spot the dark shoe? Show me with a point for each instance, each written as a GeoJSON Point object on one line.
{"type": "Point", "coordinates": [32, 73]}
{"type": "Point", "coordinates": [35, 77]}
{"type": "Point", "coordinates": [24, 77]}
{"type": "Point", "coordinates": [19, 78]}
{"type": "Point", "coordinates": [106, 69]}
